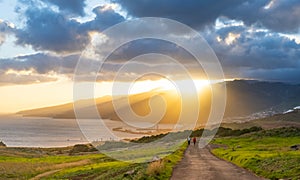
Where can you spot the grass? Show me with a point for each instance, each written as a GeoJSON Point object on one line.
{"type": "Point", "coordinates": [27, 167]}
{"type": "Point", "coordinates": [143, 152]}
{"type": "Point", "coordinates": [266, 153]}
{"type": "Point", "coordinates": [170, 161]}
{"type": "Point", "coordinates": [99, 170]}
{"type": "Point", "coordinates": [146, 148]}
{"type": "Point", "coordinates": [161, 169]}
{"type": "Point", "coordinates": [26, 163]}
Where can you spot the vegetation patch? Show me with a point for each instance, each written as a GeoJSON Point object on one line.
{"type": "Point", "coordinates": [224, 132]}
{"type": "Point", "coordinates": [80, 162]}
{"type": "Point", "coordinates": [266, 153]}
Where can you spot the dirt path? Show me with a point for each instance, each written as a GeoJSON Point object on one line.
{"type": "Point", "coordinates": [201, 164]}
{"type": "Point", "coordinates": [58, 167]}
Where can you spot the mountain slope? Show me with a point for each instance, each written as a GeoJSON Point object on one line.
{"type": "Point", "coordinates": [251, 99]}
{"type": "Point", "coordinates": [248, 97]}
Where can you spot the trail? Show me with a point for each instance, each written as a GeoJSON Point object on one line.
{"type": "Point", "coordinates": [59, 167]}
{"type": "Point", "coordinates": [201, 164]}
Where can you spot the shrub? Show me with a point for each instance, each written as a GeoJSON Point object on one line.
{"type": "Point", "coordinates": [155, 167]}
{"type": "Point", "coordinates": [82, 148]}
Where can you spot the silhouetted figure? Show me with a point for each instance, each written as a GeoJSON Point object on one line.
{"type": "Point", "coordinates": [189, 140]}
{"type": "Point", "coordinates": [194, 141]}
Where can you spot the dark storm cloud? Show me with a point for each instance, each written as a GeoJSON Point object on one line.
{"type": "Point", "coordinates": [260, 51]}
{"type": "Point", "coordinates": [148, 45]}
{"type": "Point", "coordinates": [49, 30]}
{"type": "Point", "coordinates": [260, 54]}
{"type": "Point", "coordinates": [71, 6]}
{"type": "Point", "coordinates": [104, 19]}
{"type": "Point", "coordinates": [282, 16]}
{"type": "Point", "coordinates": [256, 54]}
{"type": "Point", "coordinates": [191, 12]}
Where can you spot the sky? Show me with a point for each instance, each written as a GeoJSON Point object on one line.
{"type": "Point", "coordinates": [42, 40]}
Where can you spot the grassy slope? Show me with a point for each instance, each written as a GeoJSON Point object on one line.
{"type": "Point", "coordinates": [266, 153]}
{"type": "Point", "coordinates": [117, 170]}
{"type": "Point", "coordinates": [25, 163]}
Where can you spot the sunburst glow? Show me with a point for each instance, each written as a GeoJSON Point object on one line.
{"type": "Point", "coordinates": [165, 84]}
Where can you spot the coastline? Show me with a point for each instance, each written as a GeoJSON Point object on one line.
{"type": "Point", "coordinates": [18, 131]}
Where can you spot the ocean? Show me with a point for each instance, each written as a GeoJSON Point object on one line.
{"type": "Point", "coordinates": [17, 131]}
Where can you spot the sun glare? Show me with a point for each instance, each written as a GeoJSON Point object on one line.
{"type": "Point", "coordinates": [166, 85]}
{"type": "Point", "coordinates": [201, 83]}
{"type": "Point", "coordinates": [148, 85]}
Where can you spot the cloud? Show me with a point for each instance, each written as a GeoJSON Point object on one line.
{"type": "Point", "coordinates": [148, 45]}
{"type": "Point", "coordinates": [105, 17]}
{"type": "Point", "coordinates": [5, 29]}
{"type": "Point", "coordinates": [191, 12]}
{"type": "Point", "coordinates": [43, 67]}
{"type": "Point", "coordinates": [255, 53]}
{"type": "Point", "coordinates": [279, 16]}
{"type": "Point", "coordinates": [73, 6]}
{"type": "Point", "coordinates": [252, 54]}
{"type": "Point", "coordinates": [248, 43]}
{"type": "Point", "coordinates": [36, 68]}
{"type": "Point", "coordinates": [15, 77]}
{"type": "Point", "coordinates": [41, 63]}
{"type": "Point", "coordinates": [49, 30]}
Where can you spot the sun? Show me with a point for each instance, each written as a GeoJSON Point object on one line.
{"type": "Point", "coordinates": [201, 83]}
{"type": "Point", "coordinates": [167, 85]}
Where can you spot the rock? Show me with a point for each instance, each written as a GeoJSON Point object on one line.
{"type": "Point", "coordinates": [129, 173]}
{"type": "Point", "coordinates": [155, 158]}
{"type": "Point", "coordinates": [2, 144]}
{"type": "Point", "coordinates": [295, 147]}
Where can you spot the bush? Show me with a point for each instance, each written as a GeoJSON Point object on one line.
{"type": "Point", "coordinates": [223, 132]}
{"type": "Point", "coordinates": [155, 168]}
{"type": "Point", "coordinates": [82, 148]}
{"type": "Point", "coordinates": [281, 132]}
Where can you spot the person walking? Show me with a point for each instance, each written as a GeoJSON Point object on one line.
{"type": "Point", "coordinates": [189, 140]}
{"type": "Point", "coordinates": [194, 141]}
